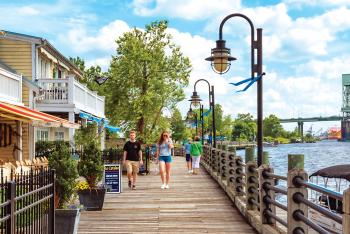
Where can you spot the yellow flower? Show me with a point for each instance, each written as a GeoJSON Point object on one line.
{"type": "Point", "coordinates": [82, 185]}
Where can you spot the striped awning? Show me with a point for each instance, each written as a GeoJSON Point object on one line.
{"type": "Point", "coordinates": [36, 118]}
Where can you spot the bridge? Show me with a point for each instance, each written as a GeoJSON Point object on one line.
{"type": "Point", "coordinates": [231, 195]}
{"type": "Point", "coordinates": [301, 121]}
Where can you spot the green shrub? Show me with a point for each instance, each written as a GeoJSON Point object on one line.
{"type": "Point", "coordinates": [90, 166]}
{"type": "Point", "coordinates": [66, 171]}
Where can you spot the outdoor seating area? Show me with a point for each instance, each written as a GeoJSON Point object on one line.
{"type": "Point", "coordinates": [8, 169]}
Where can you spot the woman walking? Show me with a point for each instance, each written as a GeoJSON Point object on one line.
{"type": "Point", "coordinates": [165, 145]}
{"type": "Point", "coordinates": [196, 151]}
{"type": "Point", "coordinates": [187, 147]}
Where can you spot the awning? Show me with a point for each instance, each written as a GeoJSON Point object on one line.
{"type": "Point", "coordinates": [36, 118]}
{"type": "Point", "coordinates": [99, 121]}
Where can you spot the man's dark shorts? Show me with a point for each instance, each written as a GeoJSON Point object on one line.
{"type": "Point", "coordinates": [188, 158]}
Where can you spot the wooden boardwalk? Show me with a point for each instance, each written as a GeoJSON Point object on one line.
{"type": "Point", "coordinates": [193, 204]}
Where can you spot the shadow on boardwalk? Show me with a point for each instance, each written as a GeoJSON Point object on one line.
{"type": "Point", "coordinates": [193, 204]}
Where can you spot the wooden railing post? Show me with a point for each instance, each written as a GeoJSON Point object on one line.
{"type": "Point", "coordinates": [346, 210]}
{"type": "Point", "coordinates": [223, 160]}
{"type": "Point", "coordinates": [251, 178]}
{"type": "Point", "coordinates": [238, 176]}
{"type": "Point", "coordinates": [204, 156]}
{"type": "Point", "coordinates": [218, 169]}
{"type": "Point", "coordinates": [296, 169]}
{"type": "Point", "coordinates": [230, 164]}
{"type": "Point", "coordinates": [213, 159]}
{"type": "Point", "coordinates": [265, 193]}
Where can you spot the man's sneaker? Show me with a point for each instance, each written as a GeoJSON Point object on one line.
{"type": "Point", "coordinates": [133, 187]}
{"type": "Point", "coordinates": [167, 186]}
{"type": "Point", "coordinates": [163, 186]}
{"type": "Point", "coordinates": [129, 183]}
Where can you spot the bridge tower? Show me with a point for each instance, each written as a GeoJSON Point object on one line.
{"type": "Point", "coordinates": [345, 123]}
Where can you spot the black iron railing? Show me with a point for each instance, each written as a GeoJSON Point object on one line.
{"type": "Point", "coordinates": [27, 202]}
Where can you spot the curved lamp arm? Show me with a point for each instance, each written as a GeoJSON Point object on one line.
{"type": "Point", "coordinates": [252, 35]}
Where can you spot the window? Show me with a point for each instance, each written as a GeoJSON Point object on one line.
{"type": "Point", "coordinates": [59, 136]}
{"type": "Point", "coordinates": [42, 135]}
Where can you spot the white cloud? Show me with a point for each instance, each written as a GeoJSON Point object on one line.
{"type": "Point", "coordinates": [27, 11]}
{"type": "Point", "coordinates": [103, 62]}
{"type": "Point", "coordinates": [301, 3]}
{"type": "Point", "coordinates": [187, 9]}
{"type": "Point", "coordinates": [81, 40]}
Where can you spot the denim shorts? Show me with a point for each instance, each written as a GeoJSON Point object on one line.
{"type": "Point", "coordinates": [188, 158]}
{"type": "Point", "coordinates": [166, 159]}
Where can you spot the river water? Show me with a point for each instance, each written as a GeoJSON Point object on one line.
{"type": "Point", "coordinates": [316, 155]}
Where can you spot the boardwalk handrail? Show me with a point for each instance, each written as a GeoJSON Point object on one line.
{"type": "Point", "coordinates": [300, 182]}
{"type": "Point", "coordinates": [253, 190]}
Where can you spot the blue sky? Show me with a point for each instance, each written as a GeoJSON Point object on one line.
{"type": "Point", "coordinates": [305, 44]}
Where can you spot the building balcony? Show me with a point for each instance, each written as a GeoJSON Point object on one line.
{"type": "Point", "coordinates": [67, 95]}
{"type": "Point", "coordinates": [10, 87]}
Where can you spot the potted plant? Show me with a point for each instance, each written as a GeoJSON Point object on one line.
{"type": "Point", "coordinates": [90, 166]}
{"type": "Point", "coordinates": [66, 216]}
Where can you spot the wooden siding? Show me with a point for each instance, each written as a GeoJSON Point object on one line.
{"type": "Point", "coordinates": [7, 153]}
{"type": "Point", "coordinates": [18, 55]}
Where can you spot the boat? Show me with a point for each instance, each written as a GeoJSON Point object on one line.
{"type": "Point", "coordinates": [268, 144]}
{"type": "Point", "coordinates": [336, 178]}
{"type": "Point", "coordinates": [334, 133]}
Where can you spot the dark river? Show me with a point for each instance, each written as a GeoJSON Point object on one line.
{"type": "Point", "coordinates": [317, 155]}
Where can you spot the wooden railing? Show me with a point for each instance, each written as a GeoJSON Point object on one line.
{"type": "Point", "coordinates": [70, 91]}
{"type": "Point", "coordinates": [253, 191]}
{"type": "Point", "coordinates": [10, 87]}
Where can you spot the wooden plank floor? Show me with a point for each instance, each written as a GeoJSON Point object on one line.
{"type": "Point", "coordinates": [193, 204]}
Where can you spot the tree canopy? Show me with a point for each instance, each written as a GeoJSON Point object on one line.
{"type": "Point", "coordinates": [147, 74]}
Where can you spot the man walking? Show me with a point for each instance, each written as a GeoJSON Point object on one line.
{"type": "Point", "coordinates": [132, 158]}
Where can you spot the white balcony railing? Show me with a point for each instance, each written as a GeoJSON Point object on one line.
{"type": "Point", "coordinates": [10, 87]}
{"type": "Point", "coordinates": [70, 91]}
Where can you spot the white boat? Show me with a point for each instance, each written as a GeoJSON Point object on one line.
{"type": "Point", "coordinates": [336, 178]}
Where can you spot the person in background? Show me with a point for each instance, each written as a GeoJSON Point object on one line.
{"type": "Point", "coordinates": [196, 152]}
{"type": "Point", "coordinates": [132, 158]}
{"type": "Point", "coordinates": [165, 144]}
{"type": "Point", "coordinates": [187, 147]}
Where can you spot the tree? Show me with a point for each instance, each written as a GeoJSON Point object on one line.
{"type": "Point", "coordinates": [272, 126]}
{"type": "Point", "coordinates": [227, 125]}
{"type": "Point", "coordinates": [177, 126]}
{"type": "Point", "coordinates": [147, 74]}
{"type": "Point", "coordinates": [244, 128]}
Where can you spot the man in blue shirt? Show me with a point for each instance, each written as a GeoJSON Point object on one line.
{"type": "Point", "coordinates": [187, 147]}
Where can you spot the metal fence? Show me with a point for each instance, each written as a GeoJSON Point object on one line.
{"type": "Point", "coordinates": [27, 202]}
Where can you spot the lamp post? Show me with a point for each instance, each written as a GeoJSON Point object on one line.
{"type": "Point", "coordinates": [195, 101]}
{"type": "Point", "coordinates": [192, 114]}
{"type": "Point", "coordinates": [221, 61]}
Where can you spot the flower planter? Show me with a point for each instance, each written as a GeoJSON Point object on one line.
{"type": "Point", "coordinates": [66, 221]}
{"type": "Point", "coordinates": [92, 199]}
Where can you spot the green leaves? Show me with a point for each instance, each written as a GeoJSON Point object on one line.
{"type": "Point", "coordinates": [66, 171]}
{"type": "Point", "coordinates": [147, 74]}
{"type": "Point", "coordinates": [90, 165]}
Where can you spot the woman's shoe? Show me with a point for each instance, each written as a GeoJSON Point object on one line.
{"type": "Point", "coordinates": [163, 186]}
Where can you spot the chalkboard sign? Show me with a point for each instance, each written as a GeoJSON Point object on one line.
{"type": "Point", "coordinates": [112, 178]}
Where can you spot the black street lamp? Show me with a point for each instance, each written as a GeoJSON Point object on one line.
{"type": "Point", "coordinates": [221, 60]}
{"type": "Point", "coordinates": [193, 115]}
{"type": "Point", "coordinates": [195, 101]}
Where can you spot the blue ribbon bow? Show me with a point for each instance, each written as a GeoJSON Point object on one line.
{"type": "Point", "coordinates": [252, 81]}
